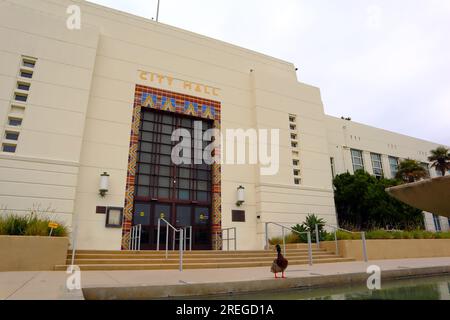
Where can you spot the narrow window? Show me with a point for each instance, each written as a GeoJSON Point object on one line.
{"type": "Point", "coordinates": [28, 63]}
{"type": "Point", "coordinates": [23, 86]}
{"type": "Point", "coordinates": [20, 97]}
{"type": "Point", "coordinates": [14, 122]}
{"type": "Point", "coordinates": [12, 136]}
{"type": "Point", "coordinates": [26, 74]}
{"type": "Point", "coordinates": [8, 148]}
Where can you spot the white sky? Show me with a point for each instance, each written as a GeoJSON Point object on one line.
{"type": "Point", "coordinates": [383, 63]}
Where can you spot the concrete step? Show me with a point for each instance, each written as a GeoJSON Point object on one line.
{"type": "Point", "coordinates": [199, 252]}
{"type": "Point", "coordinates": [174, 254]}
{"type": "Point", "coordinates": [191, 260]}
{"type": "Point", "coordinates": [214, 265]}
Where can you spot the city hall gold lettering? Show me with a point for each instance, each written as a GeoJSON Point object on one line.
{"type": "Point", "coordinates": [163, 79]}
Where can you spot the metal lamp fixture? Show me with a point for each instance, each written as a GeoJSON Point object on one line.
{"type": "Point", "coordinates": [104, 184]}
{"type": "Point", "coordinates": [240, 196]}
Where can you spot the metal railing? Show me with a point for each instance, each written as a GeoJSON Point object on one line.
{"type": "Point", "coordinates": [336, 229]}
{"type": "Point", "coordinates": [227, 239]}
{"type": "Point", "coordinates": [74, 245]}
{"type": "Point", "coordinates": [135, 238]}
{"type": "Point", "coordinates": [283, 228]}
{"type": "Point", "coordinates": [182, 239]}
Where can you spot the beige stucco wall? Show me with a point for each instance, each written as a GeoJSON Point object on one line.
{"type": "Point", "coordinates": [77, 121]}
{"type": "Point", "coordinates": [392, 249]}
{"type": "Point", "coordinates": [32, 253]}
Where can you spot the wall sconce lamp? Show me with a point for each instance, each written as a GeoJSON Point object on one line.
{"type": "Point", "coordinates": [240, 196]}
{"type": "Point", "coordinates": [104, 184]}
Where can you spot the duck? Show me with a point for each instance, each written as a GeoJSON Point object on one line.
{"type": "Point", "coordinates": [280, 264]}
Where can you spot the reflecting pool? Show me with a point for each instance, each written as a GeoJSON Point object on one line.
{"type": "Point", "coordinates": [437, 288]}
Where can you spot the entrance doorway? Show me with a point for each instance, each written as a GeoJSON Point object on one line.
{"type": "Point", "coordinates": [180, 194]}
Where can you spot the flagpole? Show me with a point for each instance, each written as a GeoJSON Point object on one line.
{"type": "Point", "coordinates": [157, 12]}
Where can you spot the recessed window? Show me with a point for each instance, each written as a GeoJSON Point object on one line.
{"type": "Point", "coordinates": [357, 159]}
{"type": "Point", "coordinates": [294, 136]}
{"type": "Point", "coordinates": [296, 172]}
{"type": "Point", "coordinates": [20, 97]}
{"type": "Point", "coordinates": [294, 144]}
{"type": "Point", "coordinates": [26, 74]}
{"type": "Point", "coordinates": [292, 119]}
{"type": "Point", "coordinates": [297, 181]}
{"type": "Point", "coordinates": [293, 127]}
{"type": "Point", "coordinates": [23, 86]}
{"type": "Point", "coordinates": [12, 136]}
{"type": "Point", "coordinates": [9, 148]}
{"type": "Point", "coordinates": [296, 162]}
{"type": "Point", "coordinates": [14, 122]}
{"type": "Point", "coordinates": [377, 165]}
{"type": "Point", "coordinates": [393, 163]}
{"type": "Point", "coordinates": [29, 63]}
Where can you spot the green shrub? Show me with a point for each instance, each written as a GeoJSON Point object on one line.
{"type": "Point", "coordinates": [290, 238]}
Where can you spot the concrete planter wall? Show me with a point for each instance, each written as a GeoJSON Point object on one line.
{"type": "Point", "coordinates": [19, 253]}
{"type": "Point", "coordinates": [392, 249]}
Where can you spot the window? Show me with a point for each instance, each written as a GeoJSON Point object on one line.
{"type": "Point", "coordinates": [357, 159]}
{"type": "Point", "coordinates": [23, 86]}
{"type": "Point", "coordinates": [157, 176]}
{"type": "Point", "coordinates": [20, 97]}
{"type": "Point", "coordinates": [296, 162]}
{"type": "Point", "coordinates": [437, 223]}
{"type": "Point", "coordinates": [297, 181]}
{"type": "Point", "coordinates": [294, 144]}
{"type": "Point", "coordinates": [12, 136]}
{"type": "Point", "coordinates": [393, 163]}
{"type": "Point", "coordinates": [296, 173]}
{"type": "Point", "coordinates": [28, 62]}
{"type": "Point", "coordinates": [9, 148]}
{"type": "Point", "coordinates": [14, 122]}
{"type": "Point", "coordinates": [377, 165]}
{"type": "Point", "coordinates": [26, 74]}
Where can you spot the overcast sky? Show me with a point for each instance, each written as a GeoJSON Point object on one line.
{"type": "Point", "coordinates": [383, 63]}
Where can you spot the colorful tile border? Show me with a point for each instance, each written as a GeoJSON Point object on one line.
{"type": "Point", "coordinates": [147, 97]}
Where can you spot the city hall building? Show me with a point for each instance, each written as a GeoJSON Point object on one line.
{"type": "Point", "coordinates": [87, 111]}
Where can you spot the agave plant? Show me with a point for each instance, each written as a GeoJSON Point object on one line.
{"type": "Point", "coordinates": [441, 159]}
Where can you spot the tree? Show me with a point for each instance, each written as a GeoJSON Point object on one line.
{"type": "Point", "coordinates": [441, 159]}
{"type": "Point", "coordinates": [363, 204]}
{"type": "Point", "coordinates": [411, 171]}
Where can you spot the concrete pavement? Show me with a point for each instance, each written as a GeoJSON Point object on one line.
{"type": "Point", "coordinates": [52, 285]}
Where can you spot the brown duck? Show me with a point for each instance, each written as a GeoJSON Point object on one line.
{"type": "Point", "coordinates": [280, 264]}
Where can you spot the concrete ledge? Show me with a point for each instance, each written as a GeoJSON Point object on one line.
{"type": "Point", "coordinates": [21, 253]}
{"type": "Point", "coordinates": [391, 249]}
{"type": "Point", "coordinates": [202, 289]}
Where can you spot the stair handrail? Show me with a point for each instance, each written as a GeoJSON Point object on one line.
{"type": "Point", "coordinates": [283, 228]}
{"type": "Point", "coordinates": [182, 240]}
{"type": "Point", "coordinates": [74, 245]}
{"type": "Point", "coordinates": [228, 239]}
{"type": "Point", "coordinates": [135, 238]}
{"type": "Point", "coordinates": [336, 229]}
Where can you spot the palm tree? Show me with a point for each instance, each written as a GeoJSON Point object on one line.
{"type": "Point", "coordinates": [411, 171]}
{"type": "Point", "coordinates": [441, 159]}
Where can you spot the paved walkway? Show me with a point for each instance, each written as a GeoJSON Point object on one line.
{"type": "Point", "coordinates": [52, 285]}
